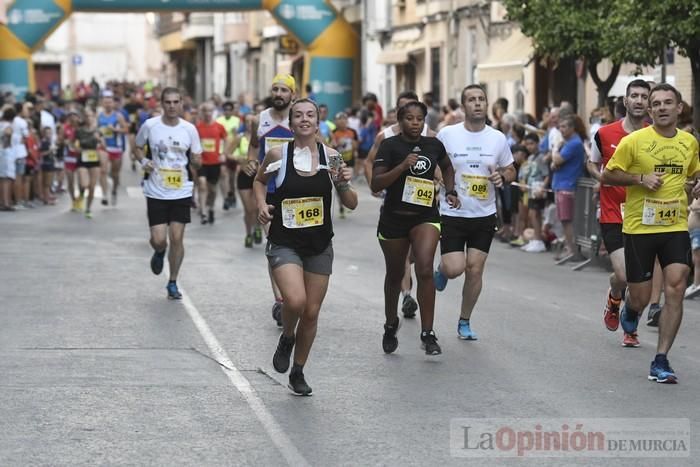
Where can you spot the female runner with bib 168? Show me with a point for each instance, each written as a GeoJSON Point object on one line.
{"type": "Point", "coordinates": [405, 167]}
{"type": "Point", "coordinates": [299, 247]}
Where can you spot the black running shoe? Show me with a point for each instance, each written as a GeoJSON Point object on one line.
{"type": "Point", "coordinates": [409, 307]}
{"type": "Point", "coordinates": [157, 262]}
{"type": "Point", "coordinates": [429, 343]}
{"type": "Point", "coordinates": [298, 385]}
{"type": "Point", "coordinates": [203, 219]}
{"type": "Point", "coordinates": [211, 216]}
{"type": "Point", "coordinates": [389, 341]}
{"type": "Point", "coordinates": [284, 350]}
{"type": "Point", "coordinates": [105, 202]}
{"type": "Point", "coordinates": [653, 315]}
{"type": "Point", "coordinates": [277, 313]}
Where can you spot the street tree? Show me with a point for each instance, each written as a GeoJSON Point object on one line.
{"type": "Point", "coordinates": [582, 30]}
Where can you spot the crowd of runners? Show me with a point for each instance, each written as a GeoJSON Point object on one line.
{"type": "Point", "coordinates": [459, 180]}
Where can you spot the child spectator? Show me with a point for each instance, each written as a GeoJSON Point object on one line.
{"type": "Point", "coordinates": [537, 180]}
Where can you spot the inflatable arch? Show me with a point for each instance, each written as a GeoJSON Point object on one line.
{"type": "Point", "coordinates": [331, 43]}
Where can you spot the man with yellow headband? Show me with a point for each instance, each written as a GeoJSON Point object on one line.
{"type": "Point", "coordinates": [655, 164]}
{"type": "Point", "coordinates": [270, 129]}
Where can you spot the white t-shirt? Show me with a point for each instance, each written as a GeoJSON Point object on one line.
{"type": "Point", "coordinates": [474, 156]}
{"type": "Point", "coordinates": [20, 130]}
{"type": "Point", "coordinates": [169, 149]}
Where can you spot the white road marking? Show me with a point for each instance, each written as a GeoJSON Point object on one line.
{"type": "Point", "coordinates": [277, 435]}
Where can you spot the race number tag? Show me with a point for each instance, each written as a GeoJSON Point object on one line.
{"type": "Point", "coordinates": [301, 213]}
{"type": "Point", "coordinates": [476, 186]}
{"type": "Point", "coordinates": [89, 155]}
{"type": "Point", "coordinates": [172, 178]}
{"type": "Point", "coordinates": [274, 142]}
{"type": "Point", "coordinates": [660, 212]}
{"type": "Point", "coordinates": [107, 132]}
{"type": "Point", "coordinates": [418, 191]}
{"type": "Point", "coordinates": [208, 144]}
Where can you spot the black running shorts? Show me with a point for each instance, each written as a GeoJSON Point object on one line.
{"type": "Point", "coordinates": [210, 172]}
{"type": "Point", "coordinates": [165, 211]}
{"type": "Point", "coordinates": [459, 233]}
{"type": "Point", "coordinates": [244, 182]}
{"type": "Point", "coordinates": [642, 249]}
{"type": "Point", "coordinates": [612, 236]}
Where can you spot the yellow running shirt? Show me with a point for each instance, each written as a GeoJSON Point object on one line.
{"type": "Point", "coordinates": [675, 160]}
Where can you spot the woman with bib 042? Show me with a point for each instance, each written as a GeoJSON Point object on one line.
{"type": "Point", "coordinates": [405, 168]}
{"type": "Point", "coordinates": [299, 248]}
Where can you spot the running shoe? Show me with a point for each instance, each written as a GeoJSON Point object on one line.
{"type": "Point", "coordinates": [105, 202]}
{"type": "Point", "coordinates": [534, 246]}
{"type": "Point", "coordinates": [173, 292]}
{"type": "Point", "coordinates": [81, 203]}
{"type": "Point", "coordinates": [630, 340]}
{"type": "Point", "coordinates": [257, 235]}
{"type": "Point", "coordinates": [611, 314]}
{"type": "Point", "coordinates": [88, 215]}
{"type": "Point", "coordinates": [157, 262]}
{"type": "Point", "coordinates": [277, 313]}
{"type": "Point", "coordinates": [464, 330]}
{"type": "Point", "coordinates": [389, 341]}
{"type": "Point", "coordinates": [440, 280]}
{"type": "Point", "coordinates": [114, 199]}
{"type": "Point", "coordinates": [211, 216]}
{"type": "Point", "coordinates": [226, 204]}
{"type": "Point", "coordinates": [653, 315]}
{"type": "Point", "coordinates": [234, 202]}
{"type": "Point", "coordinates": [248, 241]}
{"type": "Point", "coordinates": [629, 321]}
{"type": "Point", "coordinates": [409, 307]}
{"type": "Point", "coordinates": [284, 350]}
{"type": "Point", "coordinates": [298, 385]}
{"type": "Point", "coordinates": [520, 241]}
{"type": "Point", "coordinates": [661, 371]}
{"type": "Point", "coordinates": [203, 219]}
{"type": "Point", "coordinates": [75, 206]}
{"type": "Point", "coordinates": [691, 292]}
{"type": "Point", "coordinates": [429, 343]}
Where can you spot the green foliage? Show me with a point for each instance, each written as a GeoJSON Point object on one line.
{"type": "Point", "coordinates": [591, 29]}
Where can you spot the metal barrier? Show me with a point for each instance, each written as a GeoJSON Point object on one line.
{"type": "Point", "coordinates": [586, 226]}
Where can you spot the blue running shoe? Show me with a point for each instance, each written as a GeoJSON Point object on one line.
{"type": "Point", "coordinates": [440, 280]}
{"type": "Point", "coordinates": [173, 292]}
{"type": "Point", "coordinates": [464, 331]}
{"type": "Point", "coordinates": [661, 372]}
{"type": "Point", "coordinates": [629, 321]}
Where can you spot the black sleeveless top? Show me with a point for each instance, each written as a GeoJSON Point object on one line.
{"type": "Point", "coordinates": [302, 215]}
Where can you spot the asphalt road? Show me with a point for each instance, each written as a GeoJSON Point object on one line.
{"type": "Point", "coordinates": [98, 368]}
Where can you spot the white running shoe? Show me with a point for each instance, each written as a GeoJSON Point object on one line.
{"type": "Point", "coordinates": [535, 246]}
{"type": "Point", "coordinates": [692, 291]}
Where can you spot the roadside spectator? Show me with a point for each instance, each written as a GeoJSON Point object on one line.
{"type": "Point", "coordinates": [537, 179]}
{"type": "Point", "coordinates": [20, 133]}
{"type": "Point", "coordinates": [433, 117]}
{"type": "Point", "coordinates": [7, 160]}
{"type": "Point", "coordinates": [567, 165]}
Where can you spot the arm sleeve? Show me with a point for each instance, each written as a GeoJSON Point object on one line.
{"type": "Point", "coordinates": [196, 146]}
{"type": "Point", "coordinates": [383, 158]}
{"type": "Point", "coordinates": [623, 156]}
{"type": "Point", "coordinates": [505, 157]}
{"type": "Point", "coordinates": [142, 136]}
{"type": "Point", "coordinates": [596, 151]}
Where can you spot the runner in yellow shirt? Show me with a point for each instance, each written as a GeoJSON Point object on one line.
{"type": "Point", "coordinates": [655, 164]}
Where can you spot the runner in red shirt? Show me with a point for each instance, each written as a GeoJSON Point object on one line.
{"type": "Point", "coordinates": [70, 158]}
{"type": "Point", "coordinates": [213, 138]}
{"type": "Point", "coordinates": [612, 199]}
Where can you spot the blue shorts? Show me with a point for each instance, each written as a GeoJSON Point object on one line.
{"type": "Point", "coordinates": [694, 239]}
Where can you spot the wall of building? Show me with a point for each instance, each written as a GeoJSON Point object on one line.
{"type": "Point", "coordinates": [106, 47]}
